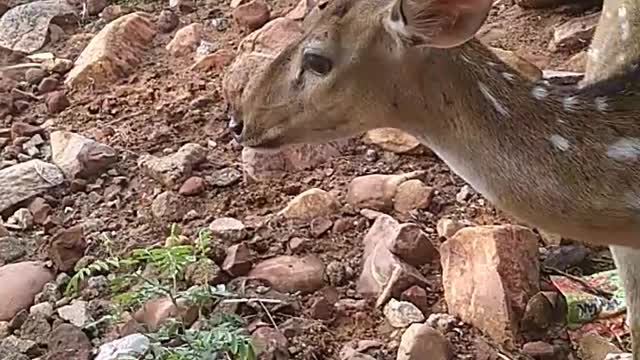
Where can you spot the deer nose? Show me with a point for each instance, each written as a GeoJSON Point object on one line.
{"type": "Point", "coordinates": [236, 125]}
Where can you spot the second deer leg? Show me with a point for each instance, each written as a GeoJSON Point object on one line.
{"type": "Point", "coordinates": [627, 261]}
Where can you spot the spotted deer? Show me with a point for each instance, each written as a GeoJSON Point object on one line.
{"type": "Point", "coordinates": [562, 159]}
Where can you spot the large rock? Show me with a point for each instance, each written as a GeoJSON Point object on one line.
{"type": "Point", "coordinates": [421, 339]}
{"type": "Point", "coordinates": [20, 284]}
{"type": "Point", "coordinates": [488, 274]}
{"type": "Point", "coordinates": [114, 52]}
{"type": "Point", "coordinates": [385, 274]}
{"type": "Point", "coordinates": [24, 28]}
{"type": "Point", "coordinates": [80, 157]}
{"type": "Point", "coordinates": [22, 181]}
{"type": "Point", "coordinates": [291, 274]}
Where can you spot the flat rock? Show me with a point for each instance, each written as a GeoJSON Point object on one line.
{"type": "Point", "coordinates": [132, 345]}
{"type": "Point", "coordinates": [20, 284]}
{"type": "Point", "coordinates": [24, 180]}
{"type": "Point", "coordinates": [172, 170]}
{"type": "Point", "coordinates": [311, 204]}
{"type": "Point", "coordinates": [489, 274]}
{"type": "Point", "coordinates": [24, 27]}
{"type": "Point", "coordinates": [114, 52]}
{"type": "Point", "coordinates": [291, 273]}
{"type": "Point", "coordinates": [421, 339]}
{"type": "Point", "coordinates": [80, 157]}
{"type": "Point", "coordinates": [391, 139]}
{"type": "Point", "coordinates": [77, 313]}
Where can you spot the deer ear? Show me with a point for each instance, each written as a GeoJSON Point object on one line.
{"type": "Point", "coordinates": [438, 23]}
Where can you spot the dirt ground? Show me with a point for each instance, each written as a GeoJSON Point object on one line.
{"type": "Point", "coordinates": [163, 105]}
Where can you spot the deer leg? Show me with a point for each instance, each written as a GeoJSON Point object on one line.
{"type": "Point", "coordinates": [627, 261]}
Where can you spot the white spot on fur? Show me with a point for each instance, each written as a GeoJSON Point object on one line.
{"type": "Point", "coordinates": [601, 103]}
{"type": "Point", "coordinates": [619, 356]}
{"type": "Point", "coordinates": [594, 54]}
{"type": "Point", "coordinates": [622, 58]}
{"type": "Point", "coordinates": [624, 149]}
{"type": "Point", "coordinates": [622, 12]}
{"type": "Point", "coordinates": [492, 64]}
{"type": "Point", "coordinates": [539, 92]}
{"type": "Point", "coordinates": [559, 142]}
{"type": "Point", "coordinates": [509, 76]}
{"type": "Point", "coordinates": [624, 30]}
{"type": "Point", "coordinates": [608, 14]}
{"type": "Point", "coordinates": [561, 121]}
{"type": "Point", "coordinates": [570, 103]}
{"type": "Point", "coordinates": [492, 99]}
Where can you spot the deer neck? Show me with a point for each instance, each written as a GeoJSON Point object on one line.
{"type": "Point", "coordinates": [530, 148]}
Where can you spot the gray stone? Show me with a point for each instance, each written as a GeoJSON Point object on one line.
{"type": "Point", "coordinates": [76, 313]}
{"type": "Point", "coordinates": [134, 344]}
{"type": "Point", "coordinates": [24, 28]}
{"type": "Point", "coordinates": [228, 228]}
{"type": "Point", "coordinates": [25, 180]}
{"type": "Point", "coordinates": [402, 313]}
{"type": "Point", "coordinates": [11, 249]}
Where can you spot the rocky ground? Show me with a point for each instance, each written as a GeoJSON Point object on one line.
{"type": "Point", "coordinates": [113, 138]}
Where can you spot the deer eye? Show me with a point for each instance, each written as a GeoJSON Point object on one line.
{"type": "Point", "coordinates": [316, 63]}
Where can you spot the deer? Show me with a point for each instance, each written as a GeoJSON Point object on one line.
{"type": "Point", "coordinates": [565, 159]}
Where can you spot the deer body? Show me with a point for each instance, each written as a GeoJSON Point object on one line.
{"type": "Point", "coordinates": [564, 159]}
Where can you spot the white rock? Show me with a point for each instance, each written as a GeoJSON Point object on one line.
{"type": "Point", "coordinates": [228, 228]}
{"type": "Point", "coordinates": [45, 309]}
{"type": "Point", "coordinates": [401, 314]}
{"type": "Point", "coordinates": [77, 313]}
{"type": "Point", "coordinates": [132, 345]}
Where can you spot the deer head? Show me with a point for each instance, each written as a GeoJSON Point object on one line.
{"type": "Point", "coordinates": [359, 66]}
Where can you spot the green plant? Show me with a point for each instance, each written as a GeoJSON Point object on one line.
{"type": "Point", "coordinates": [222, 337]}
